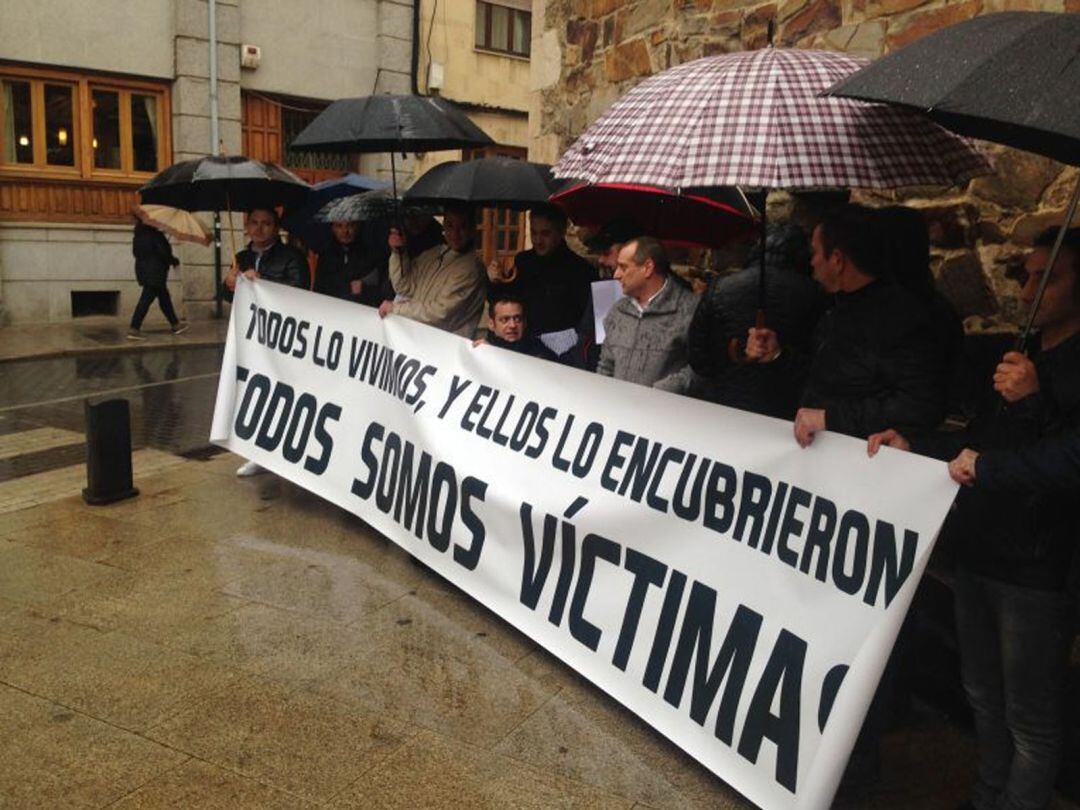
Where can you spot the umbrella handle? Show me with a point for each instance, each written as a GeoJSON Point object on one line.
{"type": "Point", "coordinates": [737, 348]}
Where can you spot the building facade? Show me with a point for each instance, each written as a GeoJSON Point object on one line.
{"type": "Point", "coordinates": [586, 53]}
{"type": "Point", "coordinates": [95, 98]}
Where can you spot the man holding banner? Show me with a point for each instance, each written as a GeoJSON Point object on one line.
{"type": "Point", "coordinates": [646, 330]}
{"type": "Point", "coordinates": [1017, 526]}
{"type": "Point", "coordinates": [443, 286]}
{"type": "Point", "coordinates": [738, 594]}
{"type": "Point", "coordinates": [874, 364]}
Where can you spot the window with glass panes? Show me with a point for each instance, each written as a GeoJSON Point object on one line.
{"type": "Point", "coordinates": [73, 125]}
{"type": "Point", "coordinates": [504, 25]}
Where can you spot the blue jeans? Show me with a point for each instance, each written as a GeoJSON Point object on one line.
{"type": "Point", "coordinates": [1014, 653]}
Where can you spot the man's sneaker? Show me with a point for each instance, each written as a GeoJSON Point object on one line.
{"type": "Point", "coordinates": [180, 328]}
{"type": "Point", "coordinates": [135, 334]}
{"type": "Point", "coordinates": [248, 469]}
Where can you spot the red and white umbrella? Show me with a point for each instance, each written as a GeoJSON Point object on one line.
{"type": "Point", "coordinates": [755, 118]}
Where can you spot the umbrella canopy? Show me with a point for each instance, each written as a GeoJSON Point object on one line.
{"type": "Point", "coordinates": [754, 118]}
{"type": "Point", "coordinates": [390, 123]}
{"type": "Point", "coordinates": [1012, 78]}
{"type": "Point", "coordinates": [500, 182]}
{"type": "Point", "coordinates": [377, 204]}
{"type": "Point", "coordinates": [333, 189]}
{"type": "Point", "coordinates": [226, 182]}
{"type": "Point", "coordinates": [301, 221]}
{"type": "Point", "coordinates": [710, 218]}
{"type": "Point", "coordinates": [175, 222]}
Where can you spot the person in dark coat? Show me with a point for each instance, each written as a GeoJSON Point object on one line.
{"type": "Point", "coordinates": [349, 269]}
{"type": "Point", "coordinates": [266, 256]}
{"type": "Point", "coordinates": [905, 241]}
{"type": "Point", "coordinates": [153, 258]}
{"type": "Point", "coordinates": [1017, 526]}
{"type": "Point", "coordinates": [729, 307]}
{"type": "Point", "coordinates": [508, 328]}
{"type": "Point", "coordinates": [874, 362]}
{"type": "Point", "coordinates": [554, 283]}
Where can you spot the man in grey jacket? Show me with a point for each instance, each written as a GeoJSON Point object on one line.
{"type": "Point", "coordinates": [645, 331]}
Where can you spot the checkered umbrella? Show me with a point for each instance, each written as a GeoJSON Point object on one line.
{"type": "Point", "coordinates": [754, 118]}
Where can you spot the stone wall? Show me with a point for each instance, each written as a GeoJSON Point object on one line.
{"type": "Point", "coordinates": [43, 265]}
{"type": "Point", "coordinates": [587, 53]}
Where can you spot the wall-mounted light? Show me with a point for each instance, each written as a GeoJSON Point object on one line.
{"type": "Point", "coordinates": [61, 136]}
{"type": "Point", "coordinates": [94, 143]}
{"type": "Point", "coordinates": [24, 141]}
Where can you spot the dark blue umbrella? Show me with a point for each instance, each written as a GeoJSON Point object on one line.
{"type": "Point", "coordinates": [302, 220]}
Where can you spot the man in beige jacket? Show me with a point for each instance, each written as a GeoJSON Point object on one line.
{"type": "Point", "coordinates": [444, 286]}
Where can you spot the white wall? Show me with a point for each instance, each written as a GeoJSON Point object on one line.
{"type": "Point", "coordinates": [326, 49]}
{"type": "Point", "coordinates": [126, 36]}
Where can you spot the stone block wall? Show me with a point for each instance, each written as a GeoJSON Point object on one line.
{"type": "Point", "coordinates": [43, 265]}
{"type": "Point", "coordinates": [587, 53]}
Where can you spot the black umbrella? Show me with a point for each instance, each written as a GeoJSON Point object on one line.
{"type": "Point", "coordinates": [224, 183]}
{"type": "Point", "coordinates": [390, 123]}
{"type": "Point", "coordinates": [495, 182]}
{"type": "Point", "coordinates": [1011, 78]}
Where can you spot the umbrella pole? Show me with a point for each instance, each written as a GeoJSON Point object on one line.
{"type": "Point", "coordinates": [1025, 333]}
{"type": "Point", "coordinates": [232, 231]}
{"type": "Point", "coordinates": [736, 346]}
{"type": "Point", "coordinates": [761, 290]}
{"type": "Point", "coordinates": [393, 175]}
{"type": "Point", "coordinates": [406, 261]}
{"type": "Point", "coordinates": [217, 264]}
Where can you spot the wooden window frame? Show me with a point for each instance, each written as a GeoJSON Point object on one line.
{"type": "Point", "coordinates": [83, 85]}
{"type": "Point", "coordinates": [494, 222]}
{"type": "Point", "coordinates": [487, 46]}
{"type": "Point", "coordinates": [266, 140]}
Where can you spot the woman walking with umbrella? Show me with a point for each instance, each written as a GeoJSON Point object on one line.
{"type": "Point", "coordinates": [153, 258]}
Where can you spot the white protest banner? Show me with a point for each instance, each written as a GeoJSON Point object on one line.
{"type": "Point", "coordinates": [732, 589]}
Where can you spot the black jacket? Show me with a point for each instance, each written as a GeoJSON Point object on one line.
{"type": "Point", "coordinates": [339, 265]}
{"type": "Point", "coordinates": [727, 310]}
{"type": "Point", "coordinates": [279, 263]}
{"type": "Point", "coordinates": [876, 364]}
{"type": "Point", "coordinates": [530, 345]}
{"type": "Point", "coordinates": [153, 256]}
{"type": "Point", "coordinates": [1019, 522]}
{"type": "Point", "coordinates": [555, 289]}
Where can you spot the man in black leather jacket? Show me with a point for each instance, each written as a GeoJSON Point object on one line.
{"type": "Point", "coordinates": [1017, 526]}
{"type": "Point", "coordinates": [266, 256]}
{"type": "Point", "coordinates": [874, 363]}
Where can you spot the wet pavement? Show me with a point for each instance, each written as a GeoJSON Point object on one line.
{"type": "Point", "coordinates": [240, 643]}
{"type": "Point", "coordinates": [170, 392]}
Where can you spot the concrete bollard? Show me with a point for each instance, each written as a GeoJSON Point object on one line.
{"type": "Point", "coordinates": [108, 452]}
